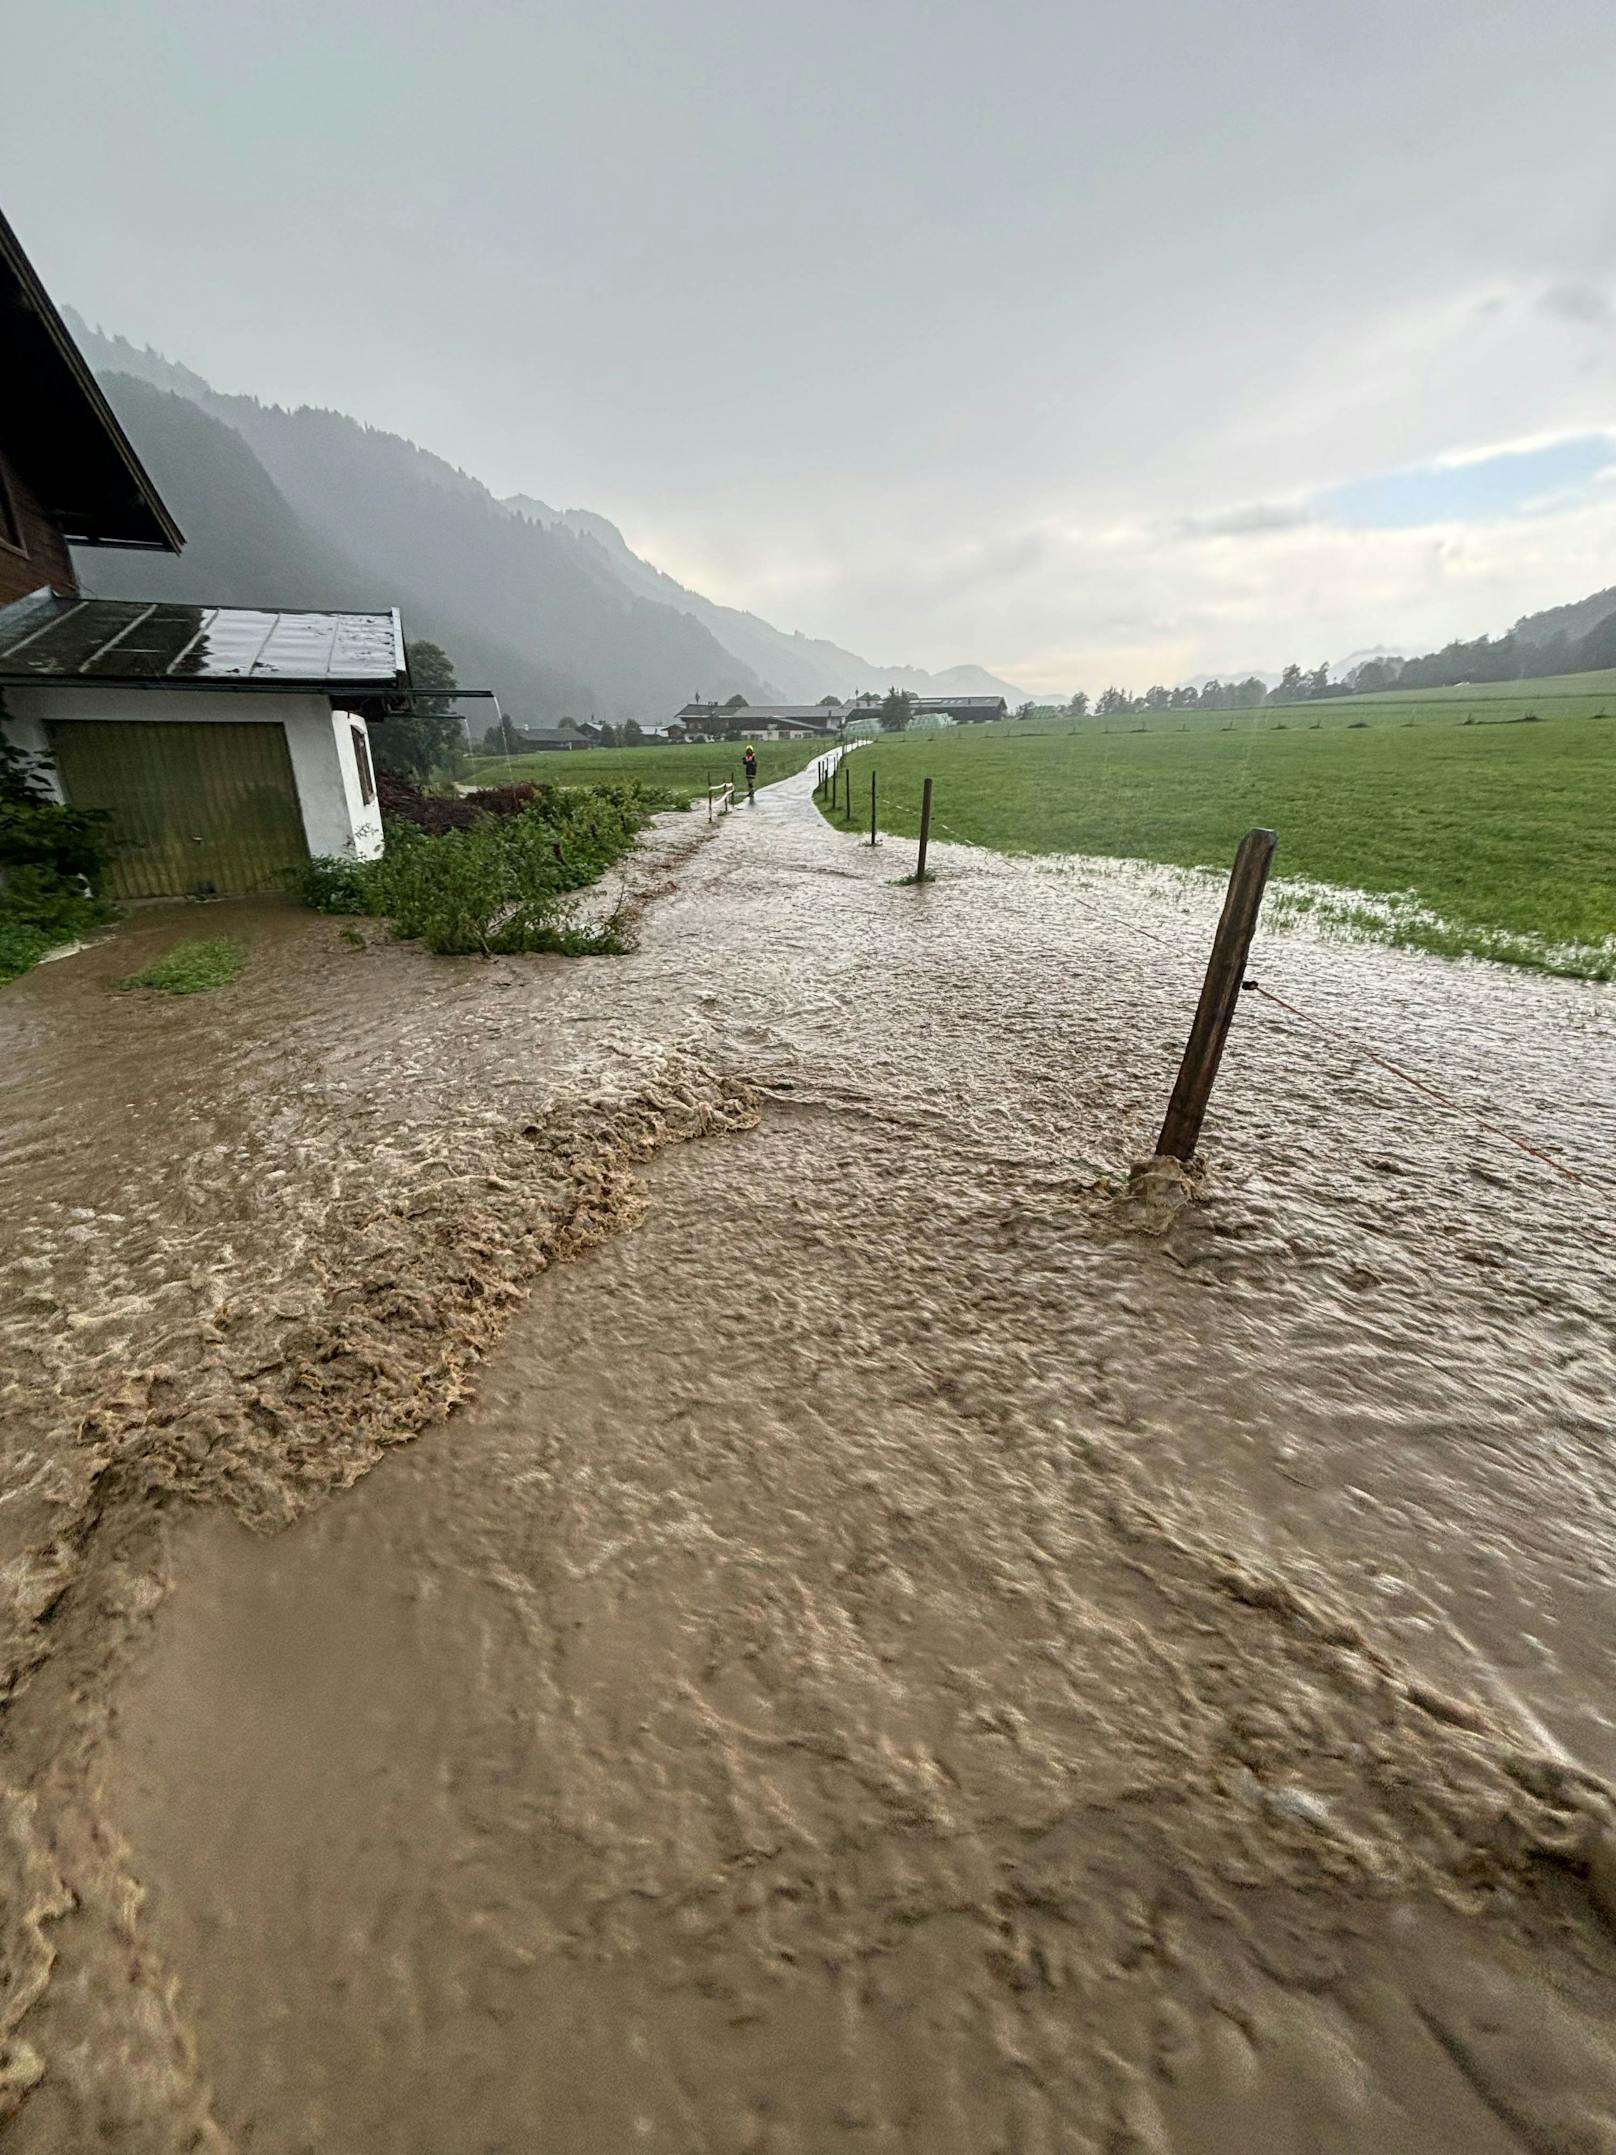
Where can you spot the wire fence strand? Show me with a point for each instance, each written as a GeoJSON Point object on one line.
{"type": "Point", "coordinates": [1481, 1121]}
{"type": "Point", "coordinates": [1432, 1092]}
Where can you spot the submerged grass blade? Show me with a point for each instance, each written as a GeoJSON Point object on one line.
{"type": "Point", "coordinates": [199, 963]}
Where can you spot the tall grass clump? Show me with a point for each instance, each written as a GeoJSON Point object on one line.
{"type": "Point", "coordinates": [190, 968]}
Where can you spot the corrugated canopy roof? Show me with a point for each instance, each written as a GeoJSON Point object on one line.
{"type": "Point", "coordinates": [71, 449]}
{"type": "Point", "coordinates": [46, 638]}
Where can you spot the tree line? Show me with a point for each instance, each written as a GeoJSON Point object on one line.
{"type": "Point", "coordinates": [1512, 657]}
{"type": "Point", "coordinates": [1121, 703]}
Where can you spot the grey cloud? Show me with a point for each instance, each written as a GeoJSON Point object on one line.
{"type": "Point", "coordinates": [1246, 521]}
{"type": "Point", "coordinates": [858, 381]}
{"type": "Point", "coordinates": [1579, 303]}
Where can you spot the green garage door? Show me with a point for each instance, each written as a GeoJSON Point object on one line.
{"type": "Point", "coordinates": [196, 809]}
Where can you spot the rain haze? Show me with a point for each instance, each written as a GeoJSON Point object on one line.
{"type": "Point", "coordinates": [807, 1059]}
{"type": "Point", "coordinates": [1080, 343]}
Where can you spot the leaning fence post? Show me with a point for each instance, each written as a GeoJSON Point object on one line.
{"type": "Point", "coordinates": [872, 808]}
{"type": "Point", "coordinates": [925, 830]}
{"type": "Point", "coordinates": [1220, 991]}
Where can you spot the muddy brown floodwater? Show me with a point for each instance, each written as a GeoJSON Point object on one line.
{"type": "Point", "coordinates": [868, 1648]}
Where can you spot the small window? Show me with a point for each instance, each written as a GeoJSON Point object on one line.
{"type": "Point", "coordinates": [367, 777]}
{"type": "Point", "coordinates": [10, 521]}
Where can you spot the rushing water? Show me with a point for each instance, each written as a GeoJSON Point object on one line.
{"type": "Point", "coordinates": [888, 1652]}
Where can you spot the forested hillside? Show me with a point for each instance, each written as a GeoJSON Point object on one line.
{"type": "Point", "coordinates": [548, 607]}
{"type": "Point", "coordinates": [343, 514]}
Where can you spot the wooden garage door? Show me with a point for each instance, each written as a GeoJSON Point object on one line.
{"type": "Point", "coordinates": [196, 809]}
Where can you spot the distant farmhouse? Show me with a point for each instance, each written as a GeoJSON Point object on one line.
{"type": "Point", "coordinates": [699, 721]}
{"type": "Point", "coordinates": [569, 734]}
{"type": "Point", "coordinates": [226, 744]}
{"type": "Point", "coordinates": [755, 721]}
{"type": "Point", "coordinates": [965, 710]}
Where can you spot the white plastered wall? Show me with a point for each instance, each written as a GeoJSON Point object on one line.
{"type": "Point", "coordinates": [325, 769]}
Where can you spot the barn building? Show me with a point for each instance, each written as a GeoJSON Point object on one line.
{"type": "Point", "coordinates": [754, 721]}
{"type": "Point", "coordinates": [964, 710]}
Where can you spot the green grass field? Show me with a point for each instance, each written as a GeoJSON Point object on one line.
{"type": "Point", "coordinates": [1494, 840]}
{"type": "Point", "coordinates": [1487, 703]}
{"type": "Point", "coordinates": [682, 768]}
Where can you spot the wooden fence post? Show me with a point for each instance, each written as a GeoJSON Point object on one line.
{"type": "Point", "coordinates": [925, 830]}
{"type": "Point", "coordinates": [872, 808]}
{"type": "Point", "coordinates": [1220, 991]}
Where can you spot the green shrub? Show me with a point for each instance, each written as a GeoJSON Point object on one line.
{"type": "Point", "coordinates": [39, 912]}
{"type": "Point", "coordinates": [36, 832]}
{"type": "Point", "coordinates": [332, 883]}
{"type": "Point", "coordinates": [496, 886]}
{"type": "Point", "coordinates": [200, 962]}
{"type": "Point", "coordinates": [50, 859]}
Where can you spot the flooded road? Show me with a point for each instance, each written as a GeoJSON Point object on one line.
{"type": "Point", "coordinates": [881, 1651]}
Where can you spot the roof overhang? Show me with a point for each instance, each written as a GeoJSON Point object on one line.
{"type": "Point", "coordinates": [72, 451]}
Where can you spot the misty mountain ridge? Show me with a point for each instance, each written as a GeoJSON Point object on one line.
{"type": "Point", "coordinates": [1362, 658]}
{"type": "Point", "coordinates": [1577, 620]}
{"type": "Point", "coordinates": [551, 609]}
{"type": "Point", "coordinates": [804, 667]}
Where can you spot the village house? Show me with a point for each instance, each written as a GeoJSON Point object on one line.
{"type": "Point", "coordinates": [225, 744]}
{"type": "Point", "coordinates": [754, 721]}
{"type": "Point", "coordinates": [966, 710]}
{"type": "Point", "coordinates": [569, 734]}
{"type": "Point", "coordinates": [962, 710]}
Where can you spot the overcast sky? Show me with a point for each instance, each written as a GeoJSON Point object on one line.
{"type": "Point", "coordinates": [1088, 342]}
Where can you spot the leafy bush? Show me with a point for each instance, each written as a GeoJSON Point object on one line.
{"type": "Point", "coordinates": [37, 832]}
{"type": "Point", "coordinates": [436, 813]}
{"type": "Point", "coordinates": [50, 858]}
{"type": "Point", "coordinates": [39, 912]}
{"type": "Point", "coordinates": [331, 883]}
{"type": "Point", "coordinates": [200, 962]}
{"type": "Point", "coordinates": [487, 873]}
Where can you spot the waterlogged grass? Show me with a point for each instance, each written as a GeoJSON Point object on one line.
{"type": "Point", "coordinates": [681, 768]}
{"type": "Point", "coordinates": [1494, 841]}
{"type": "Point", "coordinates": [191, 967]}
